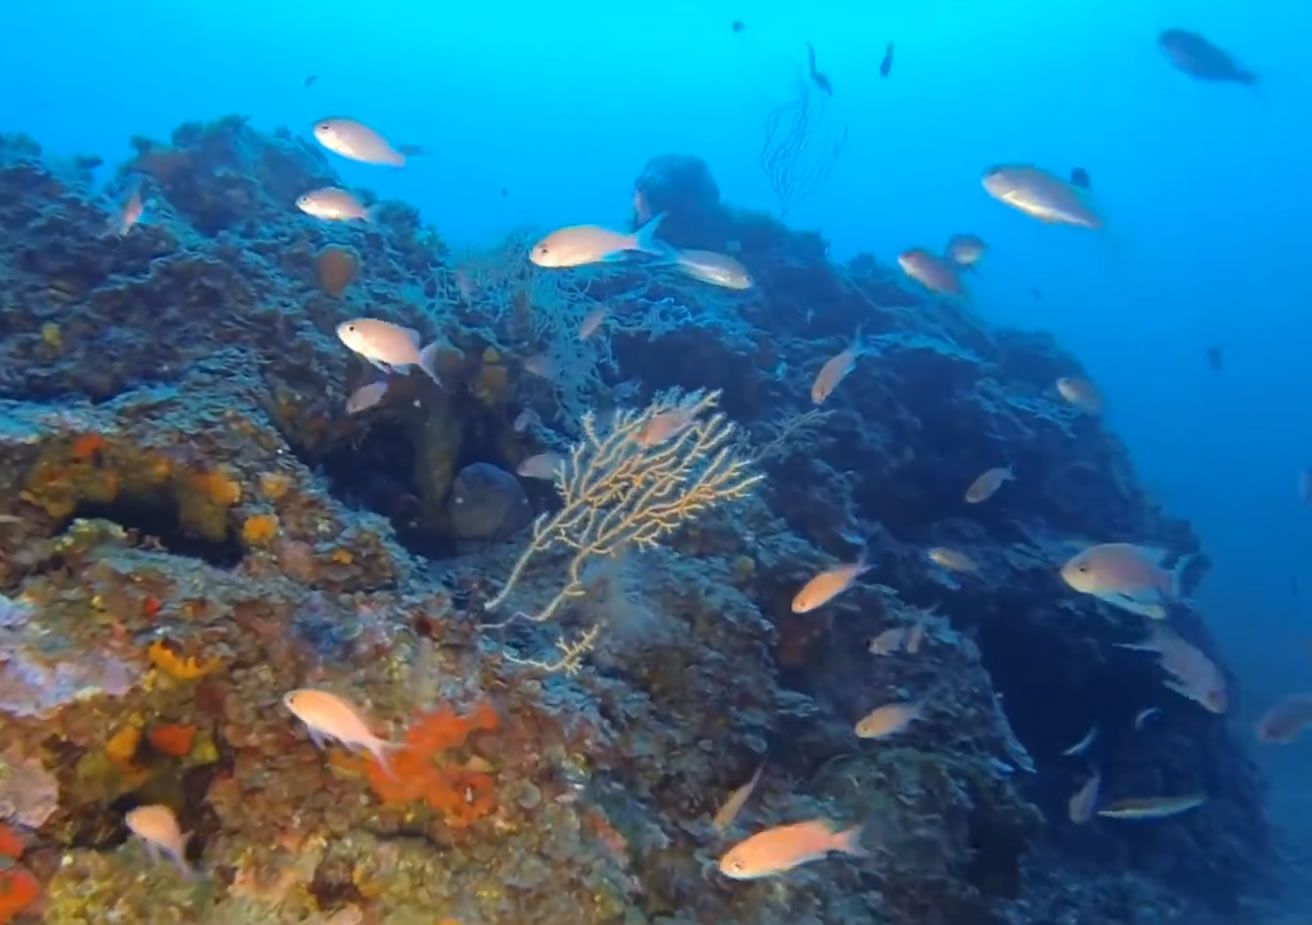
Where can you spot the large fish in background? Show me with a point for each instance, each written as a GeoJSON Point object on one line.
{"type": "Point", "coordinates": [1199, 58]}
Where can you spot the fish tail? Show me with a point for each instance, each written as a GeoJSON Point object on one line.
{"type": "Point", "coordinates": [379, 749]}
{"type": "Point", "coordinates": [848, 841]}
{"type": "Point", "coordinates": [1186, 575]}
{"type": "Point", "coordinates": [428, 360]}
{"type": "Point", "coordinates": [644, 239]}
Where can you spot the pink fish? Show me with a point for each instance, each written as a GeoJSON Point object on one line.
{"type": "Point", "coordinates": [158, 828]}
{"type": "Point", "coordinates": [1285, 720]}
{"type": "Point", "coordinates": [784, 847]}
{"type": "Point", "coordinates": [129, 212]}
{"type": "Point", "coordinates": [1192, 674]}
{"type": "Point", "coordinates": [829, 584]}
{"type": "Point", "coordinates": [327, 716]}
{"type": "Point", "coordinates": [835, 371]}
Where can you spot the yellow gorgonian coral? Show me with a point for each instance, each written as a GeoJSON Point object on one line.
{"type": "Point", "coordinates": [179, 667]}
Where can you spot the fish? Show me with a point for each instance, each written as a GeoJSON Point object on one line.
{"type": "Point", "coordinates": [664, 426]}
{"type": "Point", "coordinates": [952, 559]}
{"type": "Point", "coordinates": [1214, 358]}
{"type": "Point", "coordinates": [334, 204]}
{"type": "Point", "coordinates": [1286, 720]}
{"type": "Point", "coordinates": [915, 638]}
{"type": "Point", "coordinates": [830, 583]}
{"type": "Point", "coordinates": [889, 641]}
{"type": "Point", "coordinates": [886, 65]}
{"type": "Point", "coordinates": [1080, 807]}
{"type": "Point", "coordinates": [966, 250]}
{"type": "Point", "coordinates": [540, 466]}
{"type": "Point", "coordinates": [820, 80]}
{"type": "Point", "coordinates": [780, 849]}
{"type": "Point", "coordinates": [1081, 393]}
{"type": "Point", "coordinates": [934, 273]}
{"type": "Point", "coordinates": [835, 371]}
{"type": "Point", "coordinates": [592, 322]}
{"type": "Point", "coordinates": [524, 420]}
{"type": "Point", "coordinates": [309, 81]}
{"type": "Point", "coordinates": [327, 716]}
{"type": "Point", "coordinates": [9, 519]}
{"type": "Point", "coordinates": [1144, 715]}
{"type": "Point", "coordinates": [1127, 576]}
{"type": "Point", "coordinates": [727, 813]}
{"type": "Point", "coordinates": [1190, 673]}
{"type": "Point", "coordinates": [737, 25]}
{"type": "Point", "coordinates": [366, 396]}
{"type": "Point", "coordinates": [1080, 178]}
{"type": "Point", "coordinates": [710, 267]}
{"type": "Point", "coordinates": [358, 142]}
{"type": "Point", "coordinates": [1039, 194]}
{"type": "Point", "coordinates": [1199, 58]}
{"type": "Point", "coordinates": [1082, 746]}
{"type": "Point", "coordinates": [389, 347]}
{"type": "Point", "coordinates": [157, 826]}
{"type": "Point", "coordinates": [888, 720]}
{"type": "Point", "coordinates": [541, 365]}
{"type": "Point", "coordinates": [580, 245]}
{"type": "Point", "coordinates": [987, 483]}
{"type": "Point", "coordinates": [1304, 495]}
{"type": "Point", "coordinates": [1136, 808]}
{"type": "Point", "coordinates": [129, 212]}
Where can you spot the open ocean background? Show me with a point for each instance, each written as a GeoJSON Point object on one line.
{"type": "Point", "coordinates": [1205, 188]}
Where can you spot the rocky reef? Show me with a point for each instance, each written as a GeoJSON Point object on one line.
{"type": "Point", "coordinates": [192, 524]}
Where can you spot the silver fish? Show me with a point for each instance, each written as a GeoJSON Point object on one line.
{"type": "Point", "coordinates": [1039, 194]}
{"type": "Point", "coordinates": [333, 204]}
{"type": "Point", "coordinates": [357, 141]}
{"type": "Point", "coordinates": [366, 396]}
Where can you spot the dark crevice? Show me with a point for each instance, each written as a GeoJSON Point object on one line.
{"type": "Point", "coordinates": [160, 521]}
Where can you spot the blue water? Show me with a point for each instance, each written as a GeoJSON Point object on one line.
{"type": "Point", "coordinates": [1205, 187]}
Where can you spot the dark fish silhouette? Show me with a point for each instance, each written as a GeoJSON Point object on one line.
{"type": "Point", "coordinates": [1214, 358]}
{"type": "Point", "coordinates": [309, 81]}
{"type": "Point", "coordinates": [819, 79]}
{"type": "Point", "coordinates": [887, 64]}
{"type": "Point", "coordinates": [1080, 177]}
{"type": "Point", "coordinates": [1199, 58]}
{"type": "Point", "coordinates": [487, 503]}
{"type": "Point", "coordinates": [738, 25]}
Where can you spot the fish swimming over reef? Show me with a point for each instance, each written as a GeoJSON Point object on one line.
{"type": "Point", "coordinates": [333, 204]}
{"type": "Point", "coordinates": [1191, 674]}
{"type": "Point", "coordinates": [780, 849]}
{"type": "Point", "coordinates": [129, 212]}
{"type": "Point", "coordinates": [987, 483]}
{"type": "Point", "coordinates": [1079, 809]}
{"type": "Point", "coordinates": [327, 716]}
{"type": "Point", "coordinates": [888, 720]}
{"type": "Point", "coordinates": [1139, 808]}
{"type": "Point", "coordinates": [727, 813]}
{"type": "Point", "coordinates": [487, 503]}
{"type": "Point", "coordinates": [830, 583]}
{"type": "Point", "coordinates": [1128, 576]}
{"type": "Point", "coordinates": [1082, 746]}
{"type": "Point", "coordinates": [540, 465]}
{"type": "Point", "coordinates": [1039, 194]}
{"type": "Point", "coordinates": [592, 322]}
{"type": "Point", "coordinates": [966, 250]}
{"type": "Point", "coordinates": [389, 347]}
{"type": "Point", "coordinates": [580, 245]}
{"type": "Point", "coordinates": [1081, 393]}
{"type": "Point", "coordinates": [157, 826]}
{"type": "Point", "coordinates": [717, 269]}
{"type": "Point", "coordinates": [934, 273]}
{"type": "Point", "coordinates": [357, 141]}
{"type": "Point", "coordinates": [1199, 58]}
{"type": "Point", "coordinates": [366, 396]}
{"type": "Point", "coordinates": [835, 371]}
{"type": "Point", "coordinates": [952, 559]}
{"type": "Point", "coordinates": [1286, 720]}
{"type": "Point", "coordinates": [889, 641]}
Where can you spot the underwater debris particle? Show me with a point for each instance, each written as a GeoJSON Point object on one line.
{"type": "Point", "coordinates": [259, 529]}
{"type": "Point", "coordinates": [52, 336]}
{"type": "Point", "coordinates": [179, 667]}
{"type": "Point", "coordinates": [175, 739]}
{"type": "Point", "coordinates": [18, 890]}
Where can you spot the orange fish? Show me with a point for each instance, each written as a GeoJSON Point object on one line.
{"type": "Point", "coordinates": [1285, 720]}
{"type": "Point", "coordinates": [1127, 576]}
{"type": "Point", "coordinates": [727, 813]}
{"type": "Point", "coordinates": [1192, 674]}
{"type": "Point", "coordinates": [888, 720]}
{"type": "Point", "coordinates": [327, 716]}
{"type": "Point", "coordinates": [1081, 393]}
{"type": "Point", "coordinates": [784, 847]}
{"type": "Point", "coordinates": [834, 371]}
{"type": "Point", "coordinates": [664, 426]}
{"type": "Point", "coordinates": [129, 213]}
{"type": "Point", "coordinates": [826, 586]}
{"type": "Point", "coordinates": [158, 828]}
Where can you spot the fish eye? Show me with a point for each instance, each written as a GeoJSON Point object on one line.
{"type": "Point", "coordinates": [736, 866]}
{"type": "Point", "coordinates": [1083, 569]}
{"type": "Point", "coordinates": [350, 328]}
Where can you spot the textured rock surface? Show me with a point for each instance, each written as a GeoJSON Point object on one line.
{"type": "Point", "coordinates": [198, 527]}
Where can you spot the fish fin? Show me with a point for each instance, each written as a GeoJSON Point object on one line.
{"type": "Point", "coordinates": [379, 365]}
{"type": "Point", "coordinates": [415, 337]}
{"type": "Point", "coordinates": [1179, 688]}
{"type": "Point", "coordinates": [644, 239]}
{"type": "Point", "coordinates": [848, 841]}
{"type": "Point", "coordinates": [428, 360]}
{"type": "Point", "coordinates": [401, 369]}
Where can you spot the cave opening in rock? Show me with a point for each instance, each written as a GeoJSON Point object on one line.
{"type": "Point", "coordinates": [158, 519]}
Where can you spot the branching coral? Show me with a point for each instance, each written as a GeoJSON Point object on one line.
{"type": "Point", "coordinates": [653, 470]}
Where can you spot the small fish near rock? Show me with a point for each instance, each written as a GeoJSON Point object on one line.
{"type": "Point", "coordinates": [487, 503]}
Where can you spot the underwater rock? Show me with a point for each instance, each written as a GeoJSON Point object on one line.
{"type": "Point", "coordinates": [487, 503]}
